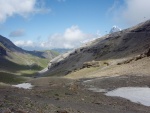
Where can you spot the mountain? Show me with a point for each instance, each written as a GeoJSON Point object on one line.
{"type": "Point", "coordinates": [121, 52]}
{"type": "Point", "coordinates": [114, 29]}
{"type": "Point", "coordinates": [48, 54]}
{"type": "Point", "coordinates": [7, 44]}
{"type": "Point", "coordinates": [16, 61]}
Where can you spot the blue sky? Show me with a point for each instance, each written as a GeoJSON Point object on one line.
{"type": "Point", "coordinates": [47, 24]}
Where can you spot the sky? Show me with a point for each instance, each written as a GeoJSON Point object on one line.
{"type": "Point", "coordinates": [48, 24]}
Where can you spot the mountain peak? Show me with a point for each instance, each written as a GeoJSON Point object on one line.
{"type": "Point", "coordinates": [115, 29]}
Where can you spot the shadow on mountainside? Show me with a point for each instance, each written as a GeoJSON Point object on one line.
{"type": "Point", "coordinates": [14, 68]}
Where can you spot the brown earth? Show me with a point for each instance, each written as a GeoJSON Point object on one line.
{"type": "Point", "coordinates": [60, 95]}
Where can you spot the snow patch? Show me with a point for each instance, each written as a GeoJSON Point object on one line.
{"type": "Point", "coordinates": [24, 86]}
{"type": "Point", "coordinates": [114, 29]}
{"type": "Point", "coordinates": [134, 94]}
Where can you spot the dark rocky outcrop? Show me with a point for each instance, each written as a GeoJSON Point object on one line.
{"type": "Point", "coordinates": [138, 57]}
{"type": "Point", "coordinates": [2, 51]}
{"type": "Point", "coordinates": [148, 53]}
{"type": "Point", "coordinates": [91, 64]}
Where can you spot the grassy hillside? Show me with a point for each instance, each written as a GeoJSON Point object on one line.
{"type": "Point", "coordinates": [16, 63]}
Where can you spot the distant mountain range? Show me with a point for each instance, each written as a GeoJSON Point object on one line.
{"type": "Point", "coordinates": [61, 50]}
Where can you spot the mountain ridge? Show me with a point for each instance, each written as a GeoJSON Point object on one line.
{"type": "Point", "coordinates": [108, 49]}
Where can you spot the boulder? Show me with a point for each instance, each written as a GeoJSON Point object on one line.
{"type": "Point", "coordinates": [91, 64]}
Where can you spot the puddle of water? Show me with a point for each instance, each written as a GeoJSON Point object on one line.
{"type": "Point", "coordinates": [24, 85]}
{"type": "Point", "coordinates": [134, 94]}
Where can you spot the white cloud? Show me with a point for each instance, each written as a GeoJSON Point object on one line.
{"type": "Point", "coordinates": [73, 34]}
{"type": "Point", "coordinates": [23, 8]}
{"type": "Point", "coordinates": [71, 38]}
{"type": "Point", "coordinates": [28, 43]}
{"type": "Point", "coordinates": [131, 12]}
{"type": "Point", "coordinates": [17, 33]}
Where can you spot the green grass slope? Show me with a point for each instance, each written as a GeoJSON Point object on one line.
{"type": "Point", "coordinates": [16, 63]}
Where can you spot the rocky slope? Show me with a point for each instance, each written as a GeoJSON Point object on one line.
{"type": "Point", "coordinates": [107, 51]}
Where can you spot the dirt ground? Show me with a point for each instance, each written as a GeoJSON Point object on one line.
{"type": "Point", "coordinates": [61, 95]}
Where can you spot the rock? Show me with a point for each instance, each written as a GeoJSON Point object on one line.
{"type": "Point", "coordinates": [91, 64]}
{"type": "Point", "coordinates": [62, 111]}
{"type": "Point", "coordinates": [106, 63]}
{"type": "Point", "coordinates": [139, 57]}
{"type": "Point", "coordinates": [126, 61]}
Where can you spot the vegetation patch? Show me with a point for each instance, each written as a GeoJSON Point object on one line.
{"type": "Point", "coordinates": [10, 78]}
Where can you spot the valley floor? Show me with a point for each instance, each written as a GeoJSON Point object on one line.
{"type": "Point", "coordinates": [61, 95]}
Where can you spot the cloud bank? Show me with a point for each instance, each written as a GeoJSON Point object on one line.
{"type": "Point", "coordinates": [131, 12]}
{"type": "Point", "coordinates": [28, 43]}
{"type": "Point", "coordinates": [23, 8]}
{"type": "Point", "coordinates": [71, 38]}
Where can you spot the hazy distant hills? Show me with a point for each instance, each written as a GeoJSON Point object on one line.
{"type": "Point", "coordinates": [61, 50]}
{"type": "Point", "coordinates": [106, 52]}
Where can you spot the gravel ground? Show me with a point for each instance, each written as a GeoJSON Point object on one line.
{"type": "Point", "coordinates": [59, 95]}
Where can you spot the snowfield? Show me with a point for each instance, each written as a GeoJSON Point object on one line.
{"type": "Point", "coordinates": [134, 94]}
